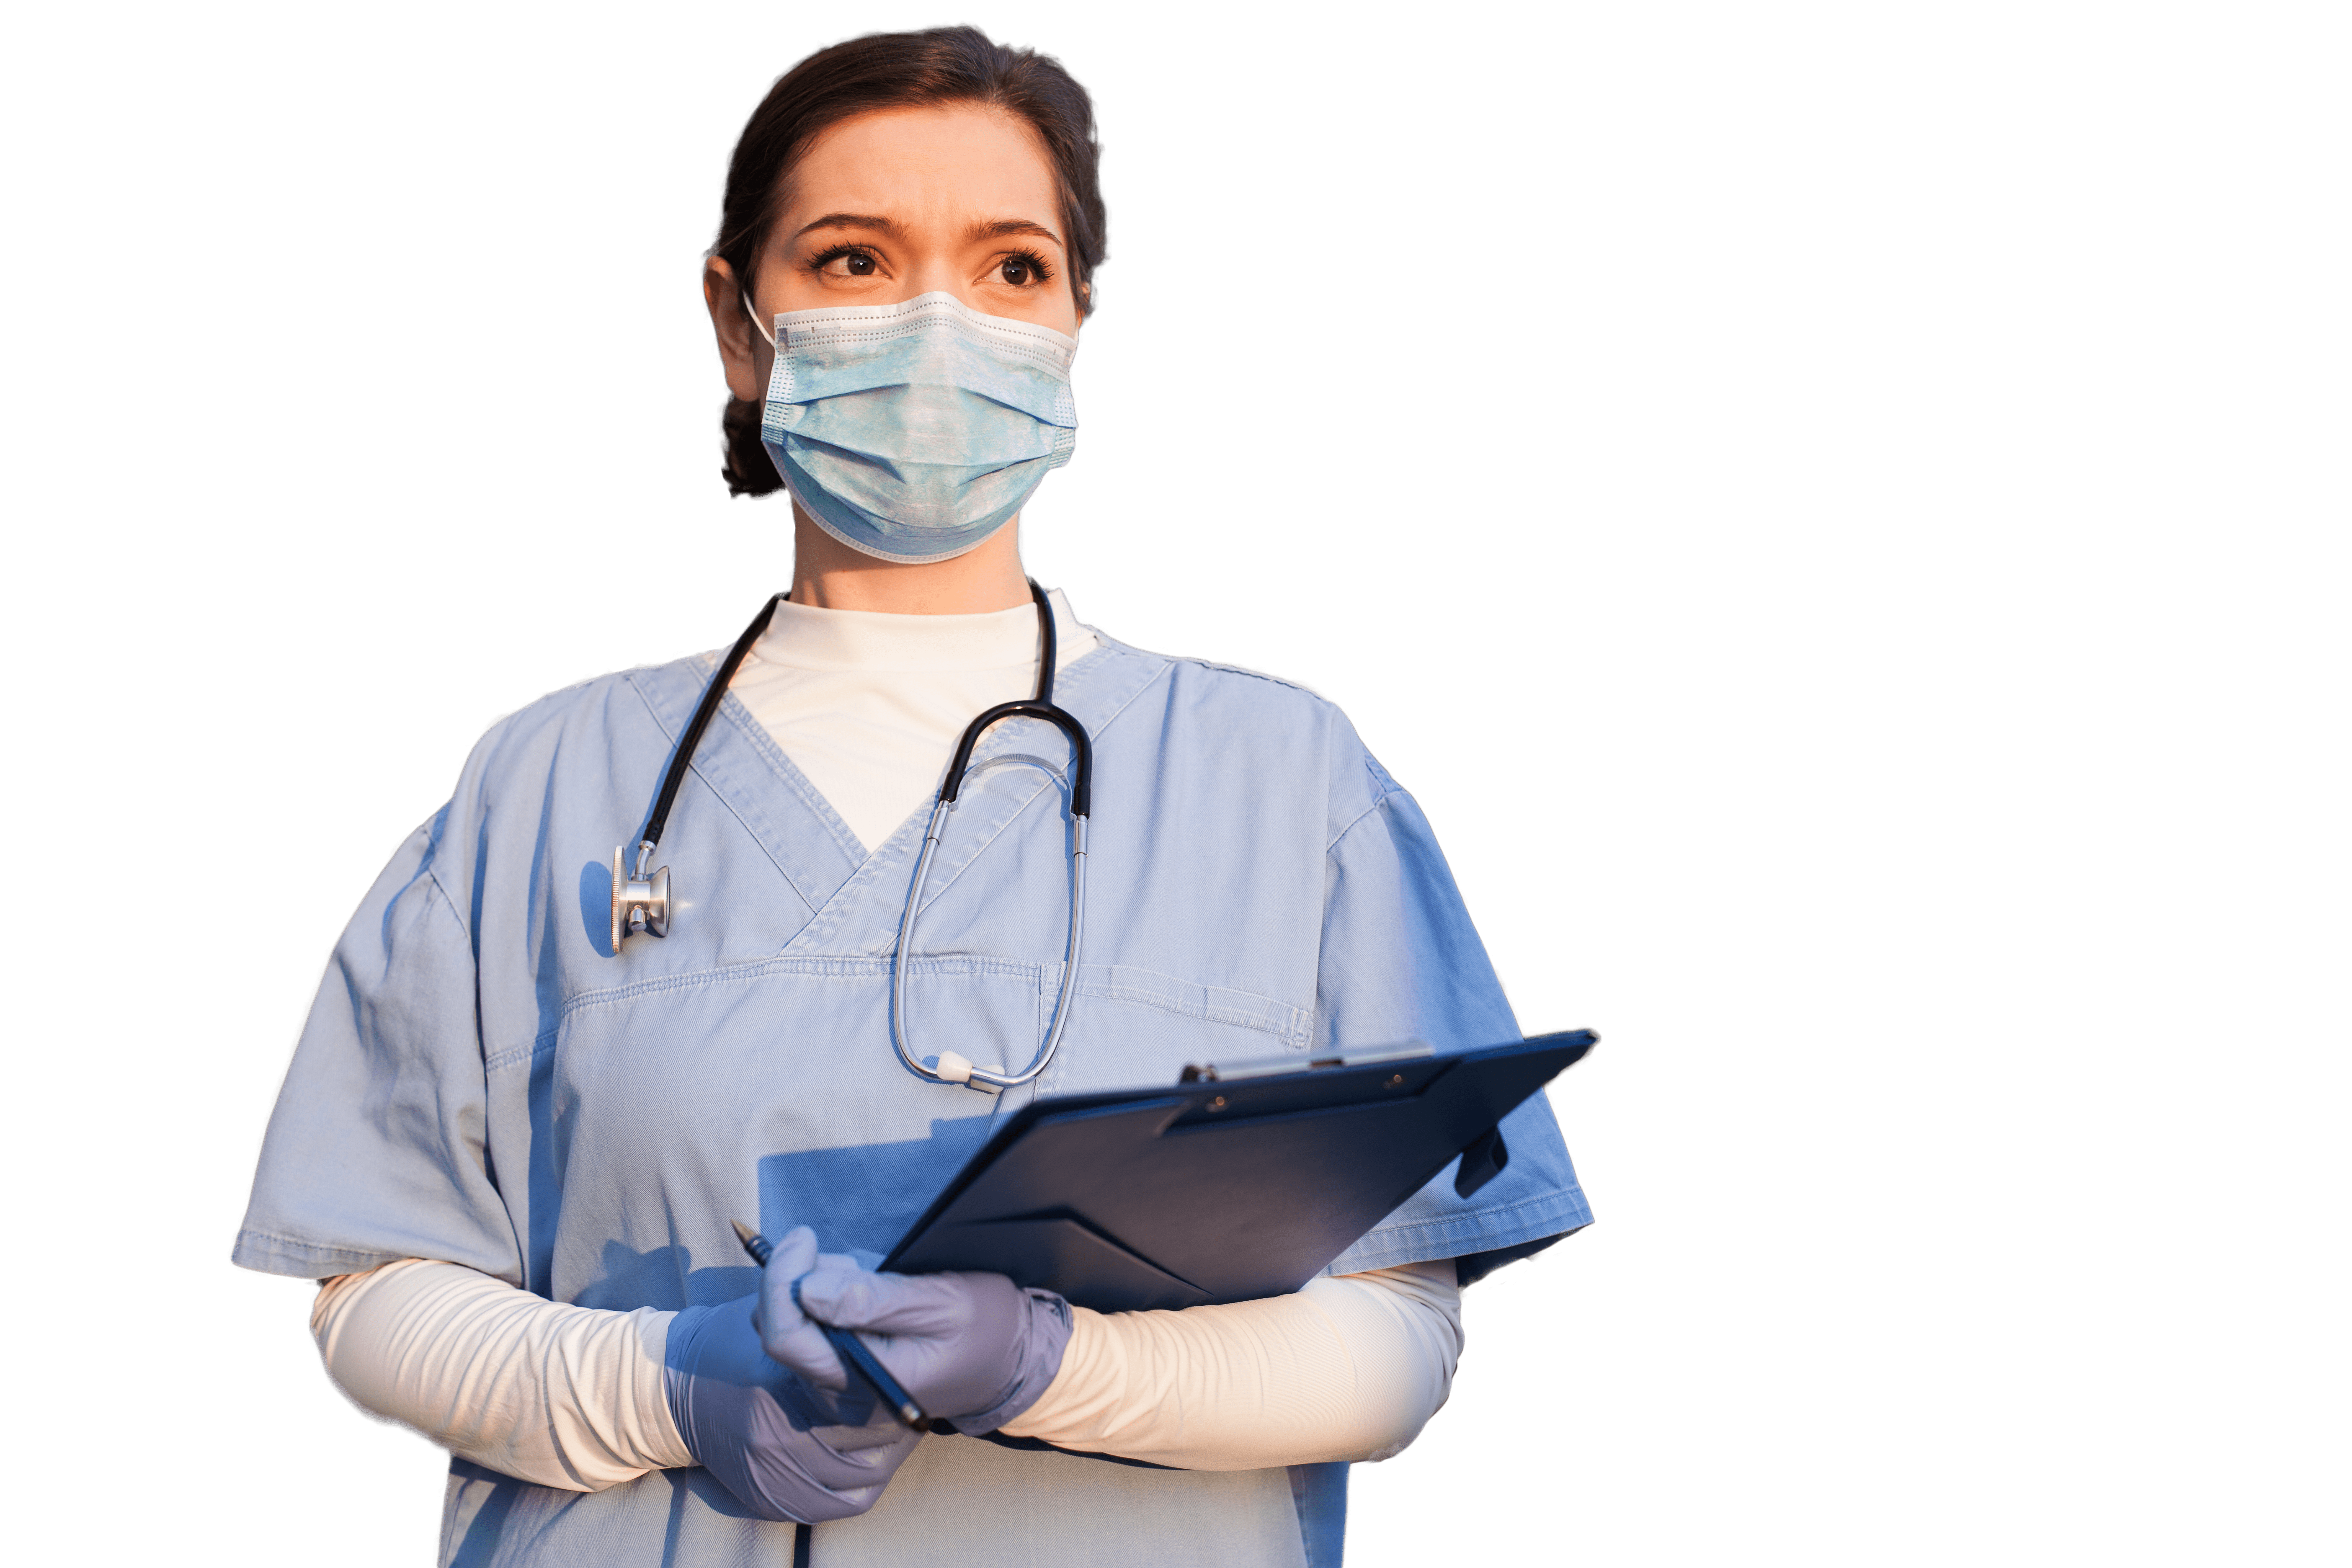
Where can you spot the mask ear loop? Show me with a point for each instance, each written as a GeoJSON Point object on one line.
{"type": "Point", "coordinates": [743, 298]}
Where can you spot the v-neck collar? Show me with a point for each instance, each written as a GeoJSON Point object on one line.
{"type": "Point", "coordinates": [854, 896]}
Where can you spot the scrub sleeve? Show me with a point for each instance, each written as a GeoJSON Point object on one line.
{"type": "Point", "coordinates": [378, 1148]}
{"type": "Point", "coordinates": [1401, 960]}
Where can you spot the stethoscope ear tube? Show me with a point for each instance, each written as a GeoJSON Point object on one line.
{"type": "Point", "coordinates": [1082, 769]}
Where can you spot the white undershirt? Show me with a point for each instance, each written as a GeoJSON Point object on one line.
{"type": "Point", "coordinates": [869, 707]}
{"type": "Point", "coordinates": [1348, 1368]}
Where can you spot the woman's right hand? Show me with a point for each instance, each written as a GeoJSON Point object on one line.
{"type": "Point", "coordinates": [786, 1449]}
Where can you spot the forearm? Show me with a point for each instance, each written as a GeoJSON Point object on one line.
{"type": "Point", "coordinates": [1348, 1368]}
{"type": "Point", "coordinates": [573, 1397]}
{"type": "Point", "coordinates": [559, 1395]}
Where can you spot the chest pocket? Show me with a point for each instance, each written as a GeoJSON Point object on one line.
{"type": "Point", "coordinates": [1132, 1027]}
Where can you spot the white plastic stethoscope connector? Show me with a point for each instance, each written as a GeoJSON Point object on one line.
{"type": "Point", "coordinates": [951, 1067]}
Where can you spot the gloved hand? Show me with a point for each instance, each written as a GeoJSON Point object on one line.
{"type": "Point", "coordinates": [975, 1349]}
{"type": "Point", "coordinates": [787, 1450]}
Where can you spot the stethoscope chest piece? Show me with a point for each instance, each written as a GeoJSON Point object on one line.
{"type": "Point", "coordinates": [639, 903]}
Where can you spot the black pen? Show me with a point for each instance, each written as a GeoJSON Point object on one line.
{"type": "Point", "coordinates": [846, 1345]}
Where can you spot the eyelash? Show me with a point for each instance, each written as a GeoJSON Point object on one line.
{"type": "Point", "coordinates": [1037, 264]}
{"type": "Point", "coordinates": [824, 260]}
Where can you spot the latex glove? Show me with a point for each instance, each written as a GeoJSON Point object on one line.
{"type": "Point", "coordinates": [975, 1349]}
{"type": "Point", "coordinates": [786, 1450]}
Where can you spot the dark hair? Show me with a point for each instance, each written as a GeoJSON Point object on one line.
{"type": "Point", "coordinates": [900, 71]}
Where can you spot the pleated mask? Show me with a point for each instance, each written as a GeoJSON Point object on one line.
{"type": "Point", "coordinates": [914, 431]}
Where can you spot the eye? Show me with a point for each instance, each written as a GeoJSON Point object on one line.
{"type": "Point", "coordinates": [845, 261]}
{"type": "Point", "coordinates": [1025, 270]}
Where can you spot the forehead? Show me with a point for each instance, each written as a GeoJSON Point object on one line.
{"type": "Point", "coordinates": [963, 158]}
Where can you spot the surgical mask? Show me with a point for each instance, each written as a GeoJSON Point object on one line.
{"type": "Point", "coordinates": [914, 431]}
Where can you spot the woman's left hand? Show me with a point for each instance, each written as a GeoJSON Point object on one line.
{"type": "Point", "coordinates": [974, 1348]}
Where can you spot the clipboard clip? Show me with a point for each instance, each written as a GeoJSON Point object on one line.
{"type": "Point", "coordinates": [1482, 1161]}
{"type": "Point", "coordinates": [1269, 1067]}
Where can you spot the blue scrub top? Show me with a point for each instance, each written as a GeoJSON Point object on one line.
{"type": "Point", "coordinates": [483, 1080]}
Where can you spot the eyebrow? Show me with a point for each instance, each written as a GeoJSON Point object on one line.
{"type": "Point", "coordinates": [1000, 227]}
{"type": "Point", "coordinates": [848, 220]}
{"type": "Point", "coordinates": [992, 229]}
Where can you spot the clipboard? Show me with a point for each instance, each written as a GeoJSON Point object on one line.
{"type": "Point", "coordinates": [1230, 1184]}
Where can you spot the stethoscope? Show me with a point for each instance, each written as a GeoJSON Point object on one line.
{"type": "Point", "coordinates": [642, 902]}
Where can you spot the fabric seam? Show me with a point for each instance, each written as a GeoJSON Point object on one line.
{"type": "Point", "coordinates": [782, 870]}
{"type": "Point", "coordinates": [828, 968]}
{"type": "Point", "coordinates": [1540, 1201]}
{"type": "Point", "coordinates": [1354, 822]}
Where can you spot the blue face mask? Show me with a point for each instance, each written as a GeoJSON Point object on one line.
{"type": "Point", "coordinates": [914, 431]}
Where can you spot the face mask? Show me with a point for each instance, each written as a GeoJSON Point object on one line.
{"type": "Point", "coordinates": [914, 431]}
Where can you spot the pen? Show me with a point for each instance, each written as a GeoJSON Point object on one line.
{"type": "Point", "coordinates": [846, 1345]}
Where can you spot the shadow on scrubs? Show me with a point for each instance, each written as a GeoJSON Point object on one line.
{"type": "Point", "coordinates": [665, 1278]}
{"type": "Point", "coordinates": [596, 906]}
{"type": "Point", "coordinates": [861, 1200]}
{"type": "Point", "coordinates": [858, 1200]}
{"type": "Point", "coordinates": [484, 1502]}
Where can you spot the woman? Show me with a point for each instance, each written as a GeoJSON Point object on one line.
{"type": "Point", "coordinates": [516, 1127]}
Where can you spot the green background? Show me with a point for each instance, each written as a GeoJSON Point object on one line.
{"type": "Point", "coordinates": [1836, 510]}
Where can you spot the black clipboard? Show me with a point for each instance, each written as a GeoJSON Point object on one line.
{"type": "Point", "coordinates": [1229, 1185]}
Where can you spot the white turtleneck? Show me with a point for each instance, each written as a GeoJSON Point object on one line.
{"type": "Point", "coordinates": [871, 706]}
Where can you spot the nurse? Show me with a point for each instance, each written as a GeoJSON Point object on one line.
{"type": "Point", "coordinates": [510, 1148]}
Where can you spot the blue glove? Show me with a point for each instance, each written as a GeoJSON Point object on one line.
{"type": "Point", "coordinates": [786, 1450]}
{"type": "Point", "coordinates": [975, 1349]}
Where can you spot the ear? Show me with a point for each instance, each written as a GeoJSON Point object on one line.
{"type": "Point", "coordinates": [743, 352]}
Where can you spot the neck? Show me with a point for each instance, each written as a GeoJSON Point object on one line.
{"type": "Point", "coordinates": [829, 575]}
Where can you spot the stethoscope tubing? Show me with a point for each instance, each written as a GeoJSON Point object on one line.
{"type": "Point", "coordinates": [951, 1067]}
{"type": "Point", "coordinates": [713, 695]}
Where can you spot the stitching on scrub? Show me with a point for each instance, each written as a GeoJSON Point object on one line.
{"type": "Point", "coordinates": [1084, 679]}
{"type": "Point", "coordinates": [311, 1249]}
{"type": "Point", "coordinates": [828, 920]}
{"type": "Point", "coordinates": [1110, 718]}
{"type": "Point", "coordinates": [845, 900]}
{"type": "Point", "coordinates": [814, 968]}
{"type": "Point", "coordinates": [1573, 1198]}
{"type": "Point", "coordinates": [716, 793]}
{"type": "Point", "coordinates": [448, 903]}
{"type": "Point", "coordinates": [789, 772]}
{"type": "Point", "coordinates": [1264, 1014]}
{"type": "Point", "coordinates": [1243, 669]}
{"type": "Point", "coordinates": [1378, 801]}
{"type": "Point", "coordinates": [1388, 785]}
{"type": "Point", "coordinates": [982, 845]}
{"type": "Point", "coordinates": [499, 1061]}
